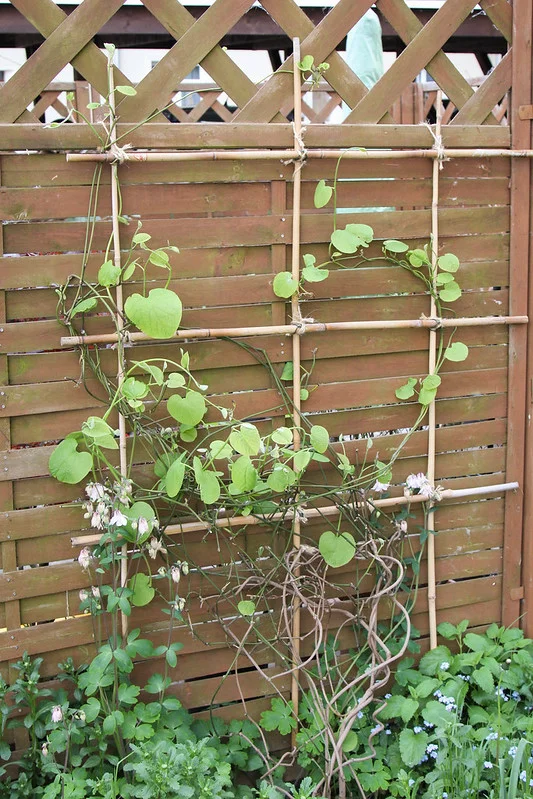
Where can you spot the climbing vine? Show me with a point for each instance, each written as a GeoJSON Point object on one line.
{"type": "Point", "coordinates": [191, 461]}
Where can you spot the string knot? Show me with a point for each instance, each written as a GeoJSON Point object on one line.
{"type": "Point", "coordinates": [438, 145]}
{"type": "Point", "coordinates": [120, 154]}
{"type": "Point", "coordinates": [301, 322]}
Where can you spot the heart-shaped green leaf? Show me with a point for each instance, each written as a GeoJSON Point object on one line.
{"type": "Point", "coordinates": [345, 242]}
{"type": "Point", "coordinates": [109, 274]}
{"type": "Point", "coordinates": [158, 315]}
{"type": "Point", "coordinates": [246, 607]}
{"type": "Point", "coordinates": [143, 593]}
{"type": "Point", "coordinates": [337, 550]}
{"type": "Point", "coordinates": [175, 380]}
{"type": "Point", "coordinates": [363, 232]}
{"type": "Point", "coordinates": [456, 352]}
{"type": "Point", "coordinates": [67, 464]}
{"type": "Point", "coordinates": [246, 440]}
{"type": "Point", "coordinates": [189, 410]}
{"type": "Point", "coordinates": [451, 292]}
{"type": "Point", "coordinates": [418, 258]}
{"type": "Point", "coordinates": [314, 275]}
{"type": "Point", "coordinates": [284, 285]}
{"type": "Point", "coordinates": [220, 450]}
{"type": "Point", "coordinates": [319, 437]}
{"type": "Point", "coordinates": [449, 262]}
{"type": "Point", "coordinates": [281, 477]}
{"type": "Point", "coordinates": [282, 436]}
{"type": "Point", "coordinates": [322, 194]}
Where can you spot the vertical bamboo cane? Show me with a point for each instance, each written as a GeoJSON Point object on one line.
{"type": "Point", "coordinates": [296, 359]}
{"type": "Point", "coordinates": [115, 208]}
{"type": "Point", "coordinates": [432, 587]}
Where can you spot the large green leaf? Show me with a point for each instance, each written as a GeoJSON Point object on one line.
{"type": "Point", "coordinates": [188, 410]}
{"type": "Point", "coordinates": [432, 660]}
{"type": "Point", "coordinates": [158, 315]}
{"type": "Point", "coordinates": [67, 464]}
{"type": "Point", "coordinates": [207, 481]}
{"type": "Point", "coordinates": [413, 746]}
{"type": "Point", "coordinates": [392, 245]}
{"type": "Point", "coordinates": [337, 550]}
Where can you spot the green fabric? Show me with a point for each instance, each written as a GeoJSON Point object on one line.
{"type": "Point", "coordinates": [364, 54]}
{"type": "Point", "coordinates": [364, 49]}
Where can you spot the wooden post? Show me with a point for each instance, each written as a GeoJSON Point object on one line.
{"type": "Point", "coordinates": [296, 359]}
{"type": "Point", "coordinates": [432, 584]}
{"type": "Point", "coordinates": [518, 515]}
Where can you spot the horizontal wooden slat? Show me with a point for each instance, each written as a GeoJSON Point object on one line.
{"type": "Point", "coordinates": [234, 135]}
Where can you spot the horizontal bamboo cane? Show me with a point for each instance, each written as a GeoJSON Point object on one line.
{"type": "Point", "coordinates": [125, 156]}
{"type": "Point", "coordinates": [289, 330]}
{"type": "Point", "coordinates": [313, 513]}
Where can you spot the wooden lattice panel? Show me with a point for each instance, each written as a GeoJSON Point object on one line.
{"type": "Point", "coordinates": [68, 40]}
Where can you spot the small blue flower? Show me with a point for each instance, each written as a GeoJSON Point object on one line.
{"type": "Point", "coordinates": [488, 764]}
{"type": "Point", "coordinates": [444, 666]}
{"type": "Point", "coordinates": [512, 751]}
{"type": "Point", "coordinates": [417, 729]}
{"type": "Point", "coordinates": [523, 776]}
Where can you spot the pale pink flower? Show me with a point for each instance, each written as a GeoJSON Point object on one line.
{"type": "Point", "coordinates": [57, 714]}
{"type": "Point", "coordinates": [380, 488]}
{"type": "Point", "coordinates": [85, 558]}
{"type": "Point", "coordinates": [142, 526]}
{"type": "Point", "coordinates": [155, 547]}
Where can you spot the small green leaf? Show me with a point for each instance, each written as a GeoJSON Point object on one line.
{"type": "Point", "coordinates": [109, 274]}
{"type": "Point", "coordinates": [134, 389]}
{"type": "Point", "coordinates": [351, 742]}
{"type": "Point", "coordinates": [322, 194]}
{"type": "Point", "coordinates": [451, 292]}
{"type": "Point", "coordinates": [67, 464]}
{"type": "Point", "coordinates": [84, 305]}
{"type": "Point", "coordinates": [284, 285]}
{"type": "Point", "coordinates": [174, 478]}
{"type": "Point", "coordinates": [208, 483]}
{"type": "Point", "coordinates": [189, 410]}
{"type": "Point", "coordinates": [337, 550]}
{"type": "Point", "coordinates": [282, 436]}
{"type": "Point", "coordinates": [280, 718]}
{"type": "Point", "coordinates": [141, 238]}
{"type": "Point", "coordinates": [431, 382]}
{"type": "Point", "coordinates": [220, 450]}
{"type": "Point", "coordinates": [99, 432]}
{"type": "Point", "coordinates": [319, 438]}
{"type": "Point", "coordinates": [363, 232]}
{"type": "Point", "coordinates": [449, 262]}
{"type": "Point", "coordinates": [175, 380]}
{"type": "Point", "coordinates": [392, 245]}
{"type": "Point", "coordinates": [159, 258]}
{"type": "Point", "coordinates": [281, 477]}
{"type": "Point", "coordinates": [306, 64]}
{"type": "Point", "coordinates": [313, 275]}
{"type": "Point", "coordinates": [407, 390]}
{"type": "Point", "coordinates": [143, 593]}
{"type": "Point", "coordinates": [288, 371]}
{"type": "Point", "coordinates": [309, 260]}
{"type": "Point", "coordinates": [157, 315]}
{"type": "Point", "coordinates": [129, 270]}
{"type": "Point", "coordinates": [456, 352]}
{"type": "Point", "coordinates": [447, 630]}
{"type": "Point", "coordinates": [304, 394]}
{"type": "Point", "coordinates": [484, 679]}
{"type": "Point", "coordinates": [246, 608]}
{"type": "Point", "coordinates": [443, 278]}
{"type": "Point", "coordinates": [243, 474]}
{"type": "Point", "coordinates": [345, 241]}
{"type": "Point", "coordinates": [301, 459]}
{"type": "Point", "coordinates": [129, 90]}
{"type": "Point", "coordinates": [246, 440]}
{"type": "Point", "coordinates": [153, 370]}
{"type": "Point", "coordinates": [418, 258]}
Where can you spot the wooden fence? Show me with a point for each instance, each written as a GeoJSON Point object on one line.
{"type": "Point", "coordinates": [232, 222]}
